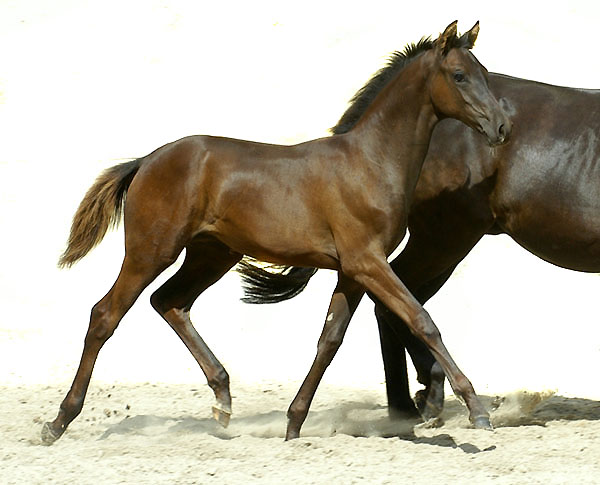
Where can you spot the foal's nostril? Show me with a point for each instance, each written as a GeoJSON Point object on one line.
{"type": "Point", "coordinates": [501, 133]}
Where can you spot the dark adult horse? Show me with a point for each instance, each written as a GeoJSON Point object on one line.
{"type": "Point", "coordinates": [542, 189]}
{"type": "Point", "coordinates": [339, 202]}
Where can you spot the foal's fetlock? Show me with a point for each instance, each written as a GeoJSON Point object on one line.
{"type": "Point", "coordinates": [221, 411]}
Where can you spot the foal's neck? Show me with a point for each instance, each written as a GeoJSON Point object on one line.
{"type": "Point", "coordinates": [396, 129]}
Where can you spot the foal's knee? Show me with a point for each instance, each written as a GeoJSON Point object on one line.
{"type": "Point", "coordinates": [424, 328]}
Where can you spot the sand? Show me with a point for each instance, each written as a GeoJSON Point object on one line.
{"type": "Point", "coordinates": [163, 433]}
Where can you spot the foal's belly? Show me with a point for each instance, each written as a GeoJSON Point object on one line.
{"type": "Point", "coordinates": [288, 244]}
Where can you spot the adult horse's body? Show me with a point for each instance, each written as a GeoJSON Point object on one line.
{"type": "Point", "coordinates": [330, 203]}
{"type": "Point", "coordinates": [542, 189]}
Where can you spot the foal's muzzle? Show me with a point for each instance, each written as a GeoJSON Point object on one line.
{"type": "Point", "coordinates": [497, 131]}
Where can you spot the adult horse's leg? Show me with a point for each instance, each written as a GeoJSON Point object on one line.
{"type": "Point", "coordinates": [395, 336]}
{"type": "Point", "coordinates": [442, 232]}
{"type": "Point", "coordinates": [204, 264]}
{"type": "Point", "coordinates": [344, 301]}
{"type": "Point", "coordinates": [137, 272]}
{"type": "Point", "coordinates": [379, 279]}
{"type": "Point", "coordinates": [400, 403]}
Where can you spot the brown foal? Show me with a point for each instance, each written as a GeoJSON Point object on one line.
{"type": "Point", "coordinates": [339, 202]}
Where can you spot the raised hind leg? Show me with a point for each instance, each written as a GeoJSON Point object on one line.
{"type": "Point", "coordinates": [204, 264]}
{"type": "Point", "coordinates": [136, 273]}
{"type": "Point", "coordinates": [344, 301]}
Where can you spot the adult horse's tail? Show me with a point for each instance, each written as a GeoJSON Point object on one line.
{"type": "Point", "coordinates": [100, 209]}
{"type": "Point", "coordinates": [264, 283]}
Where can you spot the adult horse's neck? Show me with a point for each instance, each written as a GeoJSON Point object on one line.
{"type": "Point", "coordinates": [396, 129]}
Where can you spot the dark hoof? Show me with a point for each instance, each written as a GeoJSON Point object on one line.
{"type": "Point", "coordinates": [221, 416]}
{"type": "Point", "coordinates": [291, 433]}
{"type": "Point", "coordinates": [404, 414]}
{"type": "Point", "coordinates": [421, 400]}
{"type": "Point", "coordinates": [426, 408]}
{"type": "Point", "coordinates": [49, 436]}
{"type": "Point", "coordinates": [482, 422]}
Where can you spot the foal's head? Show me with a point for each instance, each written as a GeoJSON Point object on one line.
{"type": "Point", "coordinates": [458, 86]}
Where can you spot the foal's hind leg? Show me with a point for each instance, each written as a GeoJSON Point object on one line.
{"type": "Point", "coordinates": [344, 301]}
{"type": "Point", "coordinates": [136, 273]}
{"type": "Point", "coordinates": [204, 264]}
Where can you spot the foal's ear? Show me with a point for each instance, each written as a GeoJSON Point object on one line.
{"type": "Point", "coordinates": [471, 35]}
{"type": "Point", "coordinates": [444, 41]}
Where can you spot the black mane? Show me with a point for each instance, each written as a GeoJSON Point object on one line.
{"type": "Point", "coordinates": [397, 61]}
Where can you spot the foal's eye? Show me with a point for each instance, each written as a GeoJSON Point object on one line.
{"type": "Point", "coordinates": [459, 77]}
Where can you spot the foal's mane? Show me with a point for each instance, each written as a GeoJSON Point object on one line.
{"type": "Point", "coordinates": [396, 62]}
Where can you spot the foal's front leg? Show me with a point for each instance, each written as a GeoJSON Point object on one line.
{"type": "Point", "coordinates": [345, 299]}
{"type": "Point", "coordinates": [375, 274]}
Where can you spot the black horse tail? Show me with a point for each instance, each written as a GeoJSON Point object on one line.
{"type": "Point", "coordinates": [271, 283]}
{"type": "Point", "coordinates": [100, 210]}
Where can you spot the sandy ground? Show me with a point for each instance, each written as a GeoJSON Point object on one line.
{"type": "Point", "coordinates": [85, 84]}
{"type": "Point", "coordinates": [163, 433]}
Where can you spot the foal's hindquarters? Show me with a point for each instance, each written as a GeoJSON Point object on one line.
{"type": "Point", "coordinates": [158, 221]}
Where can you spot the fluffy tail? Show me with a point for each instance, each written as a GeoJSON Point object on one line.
{"type": "Point", "coordinates": [100, 209]}
{"type": "Point", "coordinates": [269, 283]}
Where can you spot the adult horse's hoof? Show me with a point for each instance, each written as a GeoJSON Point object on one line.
{"type": "Point", "coordinates": [49, 436]}
{"type": "Point", "coordinates": [221, 416]}
{"type": "Point", "coordinates": [427, 407]}
{"type": "Point", "coordinates": [431, 423]}
{"type": "Point", "coordinates": [482, 422]}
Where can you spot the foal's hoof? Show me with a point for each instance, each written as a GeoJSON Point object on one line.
{"type": "Point", "coordinates": [482, 422]}
{"type": "Point", "coordinates": [49, 436]}
{"type": "Point", "coordinates": [221, 416]}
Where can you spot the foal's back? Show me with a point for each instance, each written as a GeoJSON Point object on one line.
{"type": "Point", "coordinates": [260, 199]}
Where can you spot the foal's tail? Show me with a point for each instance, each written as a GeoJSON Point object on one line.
{"type": "Point", "coordinates": [100, 209]}
{"type": "Point", "coordinates": [264, 283]}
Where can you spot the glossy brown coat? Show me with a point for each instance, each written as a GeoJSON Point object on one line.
{"type": "Point", "coordinates": [339, 202]}
{"type": "Point", "coordinates": [541, 188]}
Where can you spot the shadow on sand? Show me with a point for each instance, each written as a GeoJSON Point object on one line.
{"type": "Point", "coordinates": [523, 408]}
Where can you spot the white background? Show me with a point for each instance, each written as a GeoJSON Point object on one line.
{"type": "Point", "coordinates": [87, 84]}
